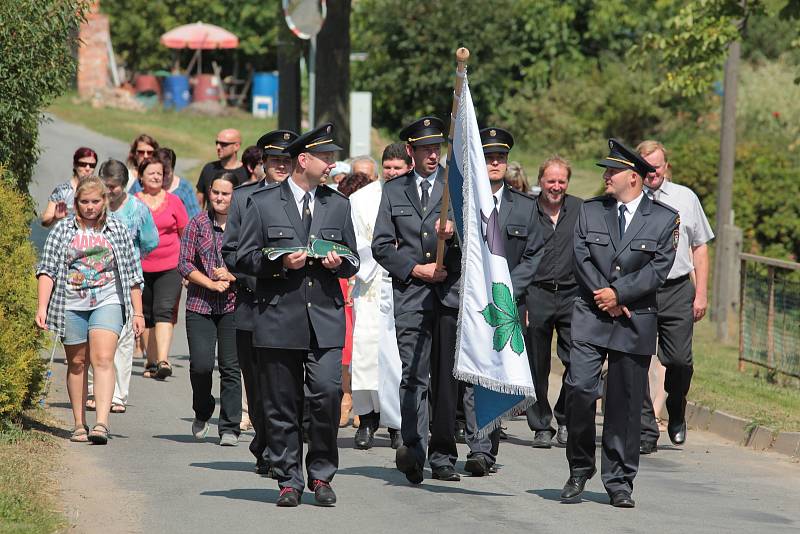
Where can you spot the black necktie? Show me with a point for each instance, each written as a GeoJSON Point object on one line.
{"type": "Point", "coordinates": [425, 185]}
{"type": "Point", "coordinates": [621, 221]}
{"type": "Point", "coordinates": [307, 213]}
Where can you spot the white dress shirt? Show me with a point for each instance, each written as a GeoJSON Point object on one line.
{"type": "Point", "coordinates": [630, 209]}
{"type": "Point", "coordinates": [299, 193]}
{"type": "Point", "coordinates": [431, 179]}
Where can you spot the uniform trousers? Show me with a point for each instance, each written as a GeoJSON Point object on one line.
{"type": "Point", "coordinates": [675, 330]}
{"type": "Point", "coordinates": [549, 311]}
{"type": "Point", "coordinates": [204, 332]}
{"type": "Point", "coordinates": [487, 446]}
{"type": "Point", "coordinates": [247, 363]}
{"type": "Point", "coordinates": [625, 388]}
{"type": "Point", "coordinates": [426, 341]}
{"type": "Point", "coordinates": [282, 376]}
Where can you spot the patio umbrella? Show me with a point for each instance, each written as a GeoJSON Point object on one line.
{"type": "Point", "coordinates": [199, 36]}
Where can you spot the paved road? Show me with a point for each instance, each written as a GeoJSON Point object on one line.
{"type": "Point", "coordinates": [154, 477]}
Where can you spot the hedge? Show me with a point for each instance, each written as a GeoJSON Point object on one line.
{"type": "Point", "coordinates": [21, 367]}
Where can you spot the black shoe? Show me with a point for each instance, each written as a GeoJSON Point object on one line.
{"type": "Point", "coordinates": [501, 434]}
{"type": "Point", "coordinates": [395, 438]}
{"type": "Point", "coordinates": [493, 468]}
{"type": "Point", "coordinates": [288, 498]}
{"type": "Point", "coordinates": [323, 493]}
{"type": "Point", "coordinates": [446, 473]}
{"type": "Point", "coordinates": [542, 439]}
{"type": "Point", "coordinates": [622, 499]}
{"type": "Point", "coordinates": [677, 433]}
{"type": "Point", "coordinates": [407, 464]}
{"type": "Point", "coordinates": [262, 467]}
{"type": "Point", "coordinates": [365, 436]}
{"type": "Point", "coordinates": [461, 433]}
{"type": "Point", "coordinates": [574, 487]}
{"type": "Point", "coordinates": [647, 447]}
{"type": "Point", "coordinates": [562, 435]}
{"type": "Point", "coordinates": [477, 466]}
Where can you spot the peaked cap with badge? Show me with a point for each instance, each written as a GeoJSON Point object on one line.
{"type": "Point", "coordinates": [274, 143]}
{"type": "Point", "coordinates": [425, 131]}
{"type": "Point", "coordinates": [496, 140]}
{"type": "Point", "coordinates": [320, 139]}
{"type": "Point", "coordinates": [622, 157]}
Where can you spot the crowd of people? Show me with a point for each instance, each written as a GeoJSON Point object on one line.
{"type": "Point", "coordinates": [311, 284]}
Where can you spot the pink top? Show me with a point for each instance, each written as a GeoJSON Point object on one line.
{"type": "Point", "coordinates": [170, 217]}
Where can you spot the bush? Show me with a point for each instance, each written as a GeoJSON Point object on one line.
{"type": "Point", "coordinates": [21, 368]}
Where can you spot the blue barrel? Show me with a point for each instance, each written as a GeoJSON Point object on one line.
{"type": "Point", "coordinates": [265, 94]}
{"type": "Point", "coordinates": [176, 92]}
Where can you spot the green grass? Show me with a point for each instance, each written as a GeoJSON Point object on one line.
{"type": "Point", "coordinates": [28, 493]}
{"type": "Point", "coordinates": [752, 394]}
{"type": "Point", "coordinates": [190, 135]}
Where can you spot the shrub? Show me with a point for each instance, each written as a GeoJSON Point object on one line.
{"type": "Point", "coordinates": [21, 368]}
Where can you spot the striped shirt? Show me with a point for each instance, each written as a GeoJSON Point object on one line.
{"type": "Point", "coordinates": [53, 263]}
{"type": "Point", "coordinates": [201, 246]}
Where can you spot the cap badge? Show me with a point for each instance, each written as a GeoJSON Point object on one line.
{"type": "Point", "coordinates": [426, 122]}
{"type": "Point", "coordinates": [328, 129]}
{"type": "Point", "coordinates": [286, 136]}
{"type": "Point", "coordinates": [493, 132]}
{"type": "Point", "coordinates": [611, 144]}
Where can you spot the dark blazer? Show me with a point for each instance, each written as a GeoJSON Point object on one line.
{"type": "Point", "coordinates": [523, 238]}
{"type": "Point", "coordinates": [246, 284]}
{"type": "Point", "coordinates": [289, 302]}
{"type": "Point", "coordinates": [404, 236]}
{"type": "Point", "coordinates": [635, 266]}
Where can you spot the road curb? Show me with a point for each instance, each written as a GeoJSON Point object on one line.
{"type": "Point", "coordinates": [742, 431]}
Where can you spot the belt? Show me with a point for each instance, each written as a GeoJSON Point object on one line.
{"type": "Point", "coordinates": [676, 281]}
{"type": "Point", "coordinates": [553, 286]}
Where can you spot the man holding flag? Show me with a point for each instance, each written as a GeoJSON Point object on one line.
{"type": "Point", "coordinates": [519, 243]}
{"type": "Point", "coordinates": [425, 303]}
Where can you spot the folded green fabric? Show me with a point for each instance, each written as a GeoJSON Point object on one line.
{"type": "Point", "coordinates": [317, 248]}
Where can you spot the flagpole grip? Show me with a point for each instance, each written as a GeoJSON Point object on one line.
{"type": "Point", "coordinates": [462, 55]}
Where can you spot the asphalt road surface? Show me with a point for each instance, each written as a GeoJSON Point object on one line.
{"type": "Point", "coordinates": [154, 477]}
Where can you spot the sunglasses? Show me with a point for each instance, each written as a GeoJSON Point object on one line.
{"type": "Point", "coordinates": [86, 164]}
{"type": "Point", "coordinates": [145, 152]}
{"type": "Point", "coordinates": [224, 144]}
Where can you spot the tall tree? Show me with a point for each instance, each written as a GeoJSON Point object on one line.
{"type": "Point", "coordinates": [290, 50]}
{"type": "Point", "coordinates": [333, 72]}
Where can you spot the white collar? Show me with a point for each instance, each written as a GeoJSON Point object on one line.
{"type": "Point", "coordinates": [633, 205]}
{"type": "Point", "coordinates": [298, 192]}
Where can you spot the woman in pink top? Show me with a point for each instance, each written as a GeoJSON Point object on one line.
{"type": "Point", "coordinates": [162, 283]}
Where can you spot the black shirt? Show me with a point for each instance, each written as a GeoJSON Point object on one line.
{"type": "Point", "coordinates": [557, 252]}
{"type": "Point", "coordinates": [213, 169]}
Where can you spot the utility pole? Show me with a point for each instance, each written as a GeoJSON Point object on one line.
{"type": "Point", "coordinates": [724, 257]}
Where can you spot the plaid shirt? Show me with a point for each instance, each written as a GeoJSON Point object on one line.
{"type": "Point", "coordinates": [200, 251]}
{"type": "Point", "coordinates": [53, 263]}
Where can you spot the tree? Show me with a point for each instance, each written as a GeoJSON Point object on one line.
{"type": "Point", "coordinates": [36, 66]}
{"type": "Point", "coordinates": [333, 72]}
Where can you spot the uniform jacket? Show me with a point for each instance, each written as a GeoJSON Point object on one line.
{"type": "Point", "coordinates": [288, 302]}
{"type": "Point", "coordinates": [404, 236]}
{"type": "Point", "coordinates": [246, 284]}
{"type": "Point", "coordinates": [635, 266]}
{"type": "Point", "coordinates": [523, 238]}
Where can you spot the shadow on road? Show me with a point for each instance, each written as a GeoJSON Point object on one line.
{"type": "Point", "coordinates": [555, 495]}
{"type": "Point", "coordinates": [225, 466]}
{"type": "Point", "coordinates": [247, 494]}
{"type": "Point", "coordinates": [393, 477]}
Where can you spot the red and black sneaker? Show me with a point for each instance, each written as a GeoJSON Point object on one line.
{"type": "Point", "coordinates": [323, 493]}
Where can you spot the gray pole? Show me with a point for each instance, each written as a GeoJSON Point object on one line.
{"type": "Point", "coordinates": [312, 82]}
{"type": "Point", "coordinates": [723, 258]}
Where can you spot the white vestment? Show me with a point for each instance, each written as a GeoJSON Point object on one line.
{"type": "Point", "coordinates": [375, 367]}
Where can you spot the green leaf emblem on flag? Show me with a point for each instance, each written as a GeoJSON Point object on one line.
{"type": "Point", "coordinates": [502, 315]}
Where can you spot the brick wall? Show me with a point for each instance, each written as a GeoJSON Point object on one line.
{"type": "Point", "coordinates": [94, 34]}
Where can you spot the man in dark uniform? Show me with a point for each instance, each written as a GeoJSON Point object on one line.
{"type": "Point", "coordinates": [521, 244]}
{"type": "Point", "coordinates": [624, 247]}
{"type": "Point", "coordinates": [550, 298]}
{"type": "Point", "coordinates": [425, 303]}
{"type": "Point", "coordinates": [299, 324]}
{"type": "Point", "coordinates": [277, 165]}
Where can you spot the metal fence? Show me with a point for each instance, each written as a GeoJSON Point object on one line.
{"type": "Point", "coordinates": [769, 314]}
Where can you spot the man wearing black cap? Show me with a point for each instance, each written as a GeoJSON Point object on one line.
{"type": "Point", "coordinates": [624, 248]}
{"type": "Point", "coordinates": [277, 165]}
{"type": "Point", "coordinates": [299, 324]}
{"type": "Point", "coordinates": [521, 243]}
{"type": "Point", "coordinates": [425, 303]}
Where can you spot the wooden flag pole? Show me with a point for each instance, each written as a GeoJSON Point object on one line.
{"type": "Point", "coordinates": [462, 55]}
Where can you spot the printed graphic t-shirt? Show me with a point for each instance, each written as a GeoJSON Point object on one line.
{"type": "Point", "coordinates": [91, 280]}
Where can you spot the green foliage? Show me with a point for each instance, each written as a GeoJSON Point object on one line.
{"type": "Point", "coordinates": [137, 25]}
{"type": "Point", "coordinates": [21, 368]}
{"type": "Point", "coordinates": [36, 65]}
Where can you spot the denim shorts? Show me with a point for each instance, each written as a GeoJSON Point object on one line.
{"type": "Point", "coordinates": [77, 323]}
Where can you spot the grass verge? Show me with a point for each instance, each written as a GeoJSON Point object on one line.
{"type": "Point", "coordinates": [27, 490]}
{"type": "Point", "coordinates": [718, 384]}
{"type": "Point", "coordinates": [190, 135]}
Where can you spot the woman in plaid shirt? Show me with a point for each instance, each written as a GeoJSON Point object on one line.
{"type": "Point", "coordinates": [210, 300]}
{"type": "Point", "coordinates": [88, 282]}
